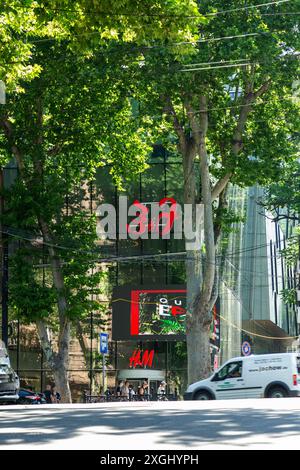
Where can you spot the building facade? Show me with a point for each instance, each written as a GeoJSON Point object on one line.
{"type": "Point", "coordinates": [250, 308]}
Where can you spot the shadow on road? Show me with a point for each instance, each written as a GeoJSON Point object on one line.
{"type": "Point", "coordinates": [182, 428]}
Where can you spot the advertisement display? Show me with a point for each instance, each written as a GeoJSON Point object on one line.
{"type": "Point", "coordinates": [150, 313]}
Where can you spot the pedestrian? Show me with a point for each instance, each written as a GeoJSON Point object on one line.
{"type": "Point", "coordinates": [131, 392]}
{"type": "Point", "coordinates": [141, 392]}
{"type": "Point", "coordinates": [125, 390]}
{"type": "Point", "coordinates": [146, 386]}
{"type": "Point", "coordinates": [162, 391]}
{"type": "Point", "coordinates": [48, 394]}
{"type": "Point", "coordinates": [56, 397]}
{"type": "Point", "coordinates": [162, 388]}
{"type": "Point", "coordinates": [119, 387]}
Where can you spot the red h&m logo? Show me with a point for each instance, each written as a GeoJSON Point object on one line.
{"type": "Point", "coordinates": [137, 359]}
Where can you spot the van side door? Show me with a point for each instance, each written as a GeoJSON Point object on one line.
{"type": "Point", "coordinates": [229, 382]}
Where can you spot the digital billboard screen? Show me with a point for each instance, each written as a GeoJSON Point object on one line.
{"type": "Point", "coordinates": [154, 313]}
{"type": "Point", "coordinates": [149, 313]}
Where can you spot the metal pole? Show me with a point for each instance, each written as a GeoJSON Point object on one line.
{"type": "Point", "coordinates": [18, 347]}
{"type": "Point", "coordinates": [4, 284]}
{"type": "Point", "coordinates": [4, 246]}
{"type": "Point", "coordinates": [91, 351]}
{"type": "Point", "coordinates": [298, 287]}
{"type": "Point", "coordinates": [103, 373]}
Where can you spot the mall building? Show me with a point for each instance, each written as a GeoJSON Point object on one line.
{"type": "Point", "coordinates": [144, 285]}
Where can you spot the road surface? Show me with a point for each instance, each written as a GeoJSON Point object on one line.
{"type": "Point", "coordinates": [238, 424]}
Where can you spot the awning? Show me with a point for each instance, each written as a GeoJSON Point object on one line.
{"type": "Point", "coordinates": [136, 374]}
{"type": "Point", "coordinates": [266, 330]}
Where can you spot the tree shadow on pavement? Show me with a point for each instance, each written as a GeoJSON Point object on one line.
{"type": "Point", "coordinates": [181, 428]}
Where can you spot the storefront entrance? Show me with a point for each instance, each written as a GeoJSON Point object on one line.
{"type": "Point", "coordinates": [136, 378]}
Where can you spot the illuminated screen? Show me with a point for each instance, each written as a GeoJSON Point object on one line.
{"type": "Point", "coordinates": [154, 313]}
{"type": "Point", "coordinates": [149, 313]}
{"type": "Point", "coordinates": [157, 312]}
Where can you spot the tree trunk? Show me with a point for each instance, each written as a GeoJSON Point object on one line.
{"type": "Point", "coordinates": [62, 384]}
{"type": "Point", "coordinates": [62, 357]}
{"type": "Point", "coordinates": [201, 270]}
{"type": "Point", "coordinates": [198, 346]}
{"type": "Point", "coordinates": [62, 361]}
{"type": "Point", "coordinates": [57, 361]}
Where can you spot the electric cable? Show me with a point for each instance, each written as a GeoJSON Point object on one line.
{"type": "Point", "coordinates": [95, 12]}
{"type": "Point", "coordinates": [251, 333]}
{"type": "Point", "coordinates": [113, 258]}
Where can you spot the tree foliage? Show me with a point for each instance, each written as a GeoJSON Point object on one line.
{"type": "Point", "coordinates": [216, 86]}
{"type": "Point", "coordinates": [226, 102]}
{"type": "Point", "coordinates": [68, 112]}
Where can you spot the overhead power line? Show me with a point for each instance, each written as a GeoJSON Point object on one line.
{"type": "Point", "coordinates": [249, 7]}
{"type": "Point", "coordinates": [226, 66]}
{"type": "Point", "coordinates": [164, 257]}
{"type": "Point", "coordinates": [238, 106]}
{"type": "Point", "coordinates": [237, 63]}
{"type": "Point", "coordinates": [38, 241]}
{"type": "Point", "coordinates": [287, 13]}
{"type": "Point", "coordinates": [233, 325]}
{"type": "Point", "coordinates": [251, 333]}
{"type": "Point", "coordinates": [95, 12]}
{"type": "Point", "coordinates": [142, 48]}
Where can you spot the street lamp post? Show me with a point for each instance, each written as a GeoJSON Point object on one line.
{"type": "Point", "coordinates": [4, 248]}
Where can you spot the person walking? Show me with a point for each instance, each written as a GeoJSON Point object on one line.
{"type": "Point", "coordinates": [141, 392]}
{"type": "Point", "coordinates": [162, 391]}
{"type": "Point", "coordinates": [48, 394]}
{"type": "Point", "coordinates": [56, 397]}
{"type": "Point", "coordinates": [131, 392]}
{"type": "Point", "coordinates": [162, 388]}
{"type": "Point", "coordinates": [119, 388]}
{"type": "Point", "coordinates": [125, 390]}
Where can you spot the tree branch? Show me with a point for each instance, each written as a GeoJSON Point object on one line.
{"type": "Point", "coordinates": [220, 186]}
{"type": "Point", "coordinates": [209, 275]}
{"type": "Point", "coordinates": [237, 144]}
{"type": "Point", "coordinates": [195, 125]}
{"type": "Point", "coordinates": [170, 110]}
{"type": "Point", "coordinates": [246, 108]}
{"type": "Point", "coordinates": [8, 131]}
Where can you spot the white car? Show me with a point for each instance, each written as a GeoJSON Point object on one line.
{"type": "Point", "coordinates": [266, 375]}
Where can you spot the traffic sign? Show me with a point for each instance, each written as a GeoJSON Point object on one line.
{"type": "Point", "coordinates": [103, 343]}
{"type": "Point", "coordinates": [246, 348]}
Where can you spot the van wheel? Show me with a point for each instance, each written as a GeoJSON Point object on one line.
{"type": "Point", "coordinates": [277, 392]}
{"type": "Point", "coordinates": [202, 395]}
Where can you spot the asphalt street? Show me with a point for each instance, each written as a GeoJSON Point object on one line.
{"type": "Point", "coordinates": [238, 424]}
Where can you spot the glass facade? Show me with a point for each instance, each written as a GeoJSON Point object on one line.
{"type": "Point", "coordinates": [244, 298]}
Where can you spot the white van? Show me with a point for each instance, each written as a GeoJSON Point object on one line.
{"type": "Point", "coordinates": [266, 375]}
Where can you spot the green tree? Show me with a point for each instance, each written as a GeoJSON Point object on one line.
{"type": "Point", "coordinates": [227, 100]}
{"type": "Point", "coordinates": [85, 24]}
{"type": "Point", "coordinates": [59, 132]}
{"type": "Point", "coordinates": [282, 201]}
{"type": "Point", "coordinates": [63, 120]}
